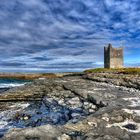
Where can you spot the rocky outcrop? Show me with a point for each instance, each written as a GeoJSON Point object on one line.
{"type": "Point", "coordinates": [39, 133]}
{"type": "Point", "coordinates": [69, 108]}
{"type": "Point", "coordinates": [126, 80]}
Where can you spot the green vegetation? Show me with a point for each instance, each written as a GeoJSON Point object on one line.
{"type": "Point", "coordinates": [117, 71]}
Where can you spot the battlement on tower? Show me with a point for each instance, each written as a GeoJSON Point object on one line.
{"type": "Point", "coordinates": [113, 57]}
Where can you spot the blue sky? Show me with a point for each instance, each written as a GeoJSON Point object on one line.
{"type": "Point", "coordinates": [66, 35]}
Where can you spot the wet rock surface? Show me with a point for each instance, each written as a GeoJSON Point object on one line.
{"type": "Point", "coordinates": [70, 108]}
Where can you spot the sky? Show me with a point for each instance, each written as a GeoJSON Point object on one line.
{"type": "Point", "coordinates": [66, 35]}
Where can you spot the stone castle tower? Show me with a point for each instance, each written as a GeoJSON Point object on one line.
{"type": "Point", "coordinates": [113, 57]}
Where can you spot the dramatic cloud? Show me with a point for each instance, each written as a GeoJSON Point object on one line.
{"type": "Point", "coordinates": [66, 35]}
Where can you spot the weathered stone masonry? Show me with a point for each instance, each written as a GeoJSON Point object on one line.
{"type": "Point", "coordinates": [113, 57]}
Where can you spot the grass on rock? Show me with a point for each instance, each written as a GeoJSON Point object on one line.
{"type": "Point", "coordinates": [115, 71]}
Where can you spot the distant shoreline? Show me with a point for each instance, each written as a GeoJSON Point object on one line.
{"type": "Point", "coordinates": [32, 76]}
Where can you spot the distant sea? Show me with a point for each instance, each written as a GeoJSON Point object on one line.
{"type": "Point", "coordinates": [10, 83]}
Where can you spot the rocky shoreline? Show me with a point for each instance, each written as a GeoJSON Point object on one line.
{"type": "Point", "coordinates": [72, 107]}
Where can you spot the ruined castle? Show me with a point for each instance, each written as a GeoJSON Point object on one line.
{"type": "Point", "coordinates": [113, 57]}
